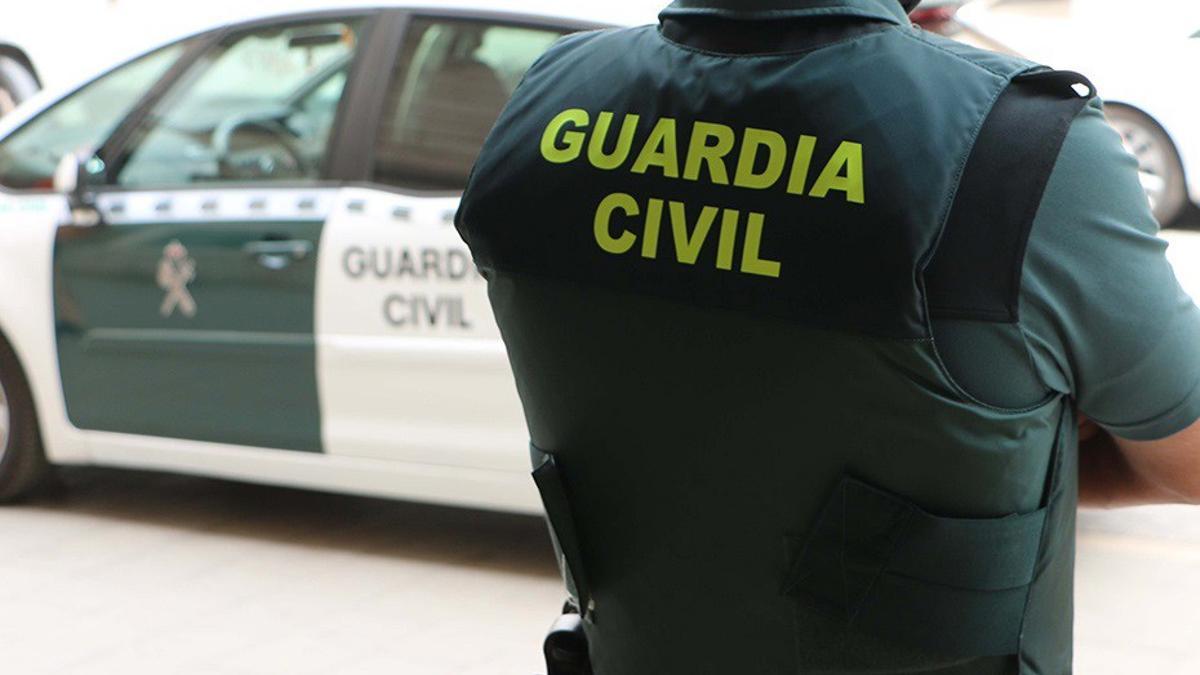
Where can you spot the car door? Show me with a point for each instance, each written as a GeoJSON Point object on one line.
{"type": "Point", "coordinates": [188, 311]}
{"type": "Point", "coordinates": [411, 362]}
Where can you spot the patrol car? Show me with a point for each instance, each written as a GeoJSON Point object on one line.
{"type": "Point", "coordinates": [234, 256]}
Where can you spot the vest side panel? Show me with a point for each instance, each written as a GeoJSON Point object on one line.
{"type": "Point", "coordinates": [1047, 638]}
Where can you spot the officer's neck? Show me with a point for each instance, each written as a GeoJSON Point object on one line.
{"type": "Point", "coordinates": [714, 34]}
{"type": "Point", "coordinates": [774, 26]}
{"type": "Point", "coordinates": [888, 9]}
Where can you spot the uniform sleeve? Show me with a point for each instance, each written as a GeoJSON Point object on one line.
{"type": "Point", "coordinates": [1104, 317]}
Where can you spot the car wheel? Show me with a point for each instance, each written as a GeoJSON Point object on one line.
{"type": "Point", "coordinates": [1159, 166]}
{"type": "Point", "coordinates": [23, 465]}
{"type": "Point", "coordinates": [16, 84]}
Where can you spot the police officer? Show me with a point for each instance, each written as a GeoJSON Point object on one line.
{"type": "Point", "coordinates": [805, 307]}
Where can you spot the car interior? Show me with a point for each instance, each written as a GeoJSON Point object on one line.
{"type": "Point", "coordinates": [438, 118]}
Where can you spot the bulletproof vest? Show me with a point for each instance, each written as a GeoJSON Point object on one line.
{"type": "Point", "coordinates": [715, 276]}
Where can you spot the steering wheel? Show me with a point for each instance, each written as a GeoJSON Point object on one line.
{"type": "Point", "coordinates": [275, 134]}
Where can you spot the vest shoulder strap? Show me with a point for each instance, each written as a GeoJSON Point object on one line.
{"type": "Point", "coordinates": [975, 272]}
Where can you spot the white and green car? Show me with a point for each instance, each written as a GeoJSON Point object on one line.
{"type": "Point", "coordinates": [234, 256]}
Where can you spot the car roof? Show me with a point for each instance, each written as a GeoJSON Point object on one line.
{"type": "Point", "coordinates": [611, 12]}
{"type": "Point", "coordinates": [615, 12]}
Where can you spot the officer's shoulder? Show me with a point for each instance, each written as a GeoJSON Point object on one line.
{"type": "Point", "coordinates": [601, 38]}
{"type": "Point", "coordinates": [1034, 77]}
{"type": "Point", "coordinates": [577, 52]}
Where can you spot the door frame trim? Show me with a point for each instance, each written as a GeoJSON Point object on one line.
{"type": "Point", "coordinates": [352, 145]}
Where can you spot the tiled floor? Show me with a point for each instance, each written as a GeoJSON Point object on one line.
{"type": "Point", "coordinates": [1138, 592]}
{"type": "Point", "coordinates": [142, 573]}
{"type": "Point", "coordinates": [130, 573]}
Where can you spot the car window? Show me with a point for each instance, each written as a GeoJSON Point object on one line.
{"type": "Point", "coordinates": [80, 122]}
{"type": "Point", "coordinates": [449, 85]}
{"type": "Point", "coordinates": [260, 106]}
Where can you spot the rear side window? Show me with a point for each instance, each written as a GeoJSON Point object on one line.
{"type": "Point", "coordinates": [449, 85]}
{"type": "Point", "coordinates": [81, 121]}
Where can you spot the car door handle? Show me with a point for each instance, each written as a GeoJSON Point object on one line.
{"type": "Point", "coordinates": [277, 255]}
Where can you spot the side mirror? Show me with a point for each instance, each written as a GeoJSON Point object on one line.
{"type": "Point", "coordinates": [71, 180]}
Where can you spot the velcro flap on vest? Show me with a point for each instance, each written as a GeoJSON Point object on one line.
{"type": "Point", "coordinates": [985, 555]}
{"type": "Point", "coordinates": [552, 487]}
{"type": "Point", "coordinates": [900, 584]}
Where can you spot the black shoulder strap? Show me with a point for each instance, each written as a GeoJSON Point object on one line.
{"type": "Point", "coordinates": [975, 273]}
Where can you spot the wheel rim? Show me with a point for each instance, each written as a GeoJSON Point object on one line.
{"type": "Point", "coordinates": [1155, 162]}
{"type": "Point", "coordinates": [5, 420]}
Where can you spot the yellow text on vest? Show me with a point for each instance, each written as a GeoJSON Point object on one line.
{"type": "Point", "coordinates": [750, 159]}
{"type": "Point", "coordinates": [760, 163]}
{"type": "Point", "coordinates": [689, 238]}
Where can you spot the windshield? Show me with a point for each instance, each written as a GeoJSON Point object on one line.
{"type": "Point", "coordinates": [260, 105]}
{"type": "Point", "coordinates": [80, 122]}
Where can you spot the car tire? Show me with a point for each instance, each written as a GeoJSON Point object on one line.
{"type": "Point", "coordinates": [16, 84]}
{"type": "Point", "coordinates": [1159, 165]}
{"type": "Point", "coordinates": [23, 465]}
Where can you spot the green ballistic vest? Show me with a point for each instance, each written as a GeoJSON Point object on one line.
{"type": "Point", "coordinates": [715, 276]}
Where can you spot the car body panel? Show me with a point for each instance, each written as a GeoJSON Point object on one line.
{"type": "Point", "coordinates": [28, 224]}
{"type": "Point", "coordinates": [226, 353]}
{"type": "Point", "coordinates": [510, 491]}
{"type": "Point", "coordinates": [410, 359]}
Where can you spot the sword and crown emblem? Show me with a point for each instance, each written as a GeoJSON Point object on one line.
{"type": "Point", "coordinates": [176, 270]}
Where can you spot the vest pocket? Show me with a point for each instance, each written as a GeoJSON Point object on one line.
{"type": "Point", "coordinates": [879, 581]}
{"type": "Point", "coordinates": [549, 479]}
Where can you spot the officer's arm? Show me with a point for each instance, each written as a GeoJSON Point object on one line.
{"type": "Point", "coordinates": [1115, 472]}
{"type": "Point", "coordinates": [1108, 323]}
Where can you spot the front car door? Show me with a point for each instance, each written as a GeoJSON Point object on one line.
{"type": "Point", "coordinates": [188, 312]}
{"type": "Point", "coordinates": [411, 362]}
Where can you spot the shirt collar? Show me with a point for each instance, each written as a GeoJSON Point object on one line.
{"type": "Point", "coordinates": [883, 10]}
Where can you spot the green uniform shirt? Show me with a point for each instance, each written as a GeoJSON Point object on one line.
{"type": "Point", "coordinates": [1102, 316]}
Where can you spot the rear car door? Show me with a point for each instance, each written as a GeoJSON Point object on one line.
{"type": "Point", "coordinates": [411, 362]}
{"type": "Point", "coordinates": [188, 312]}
